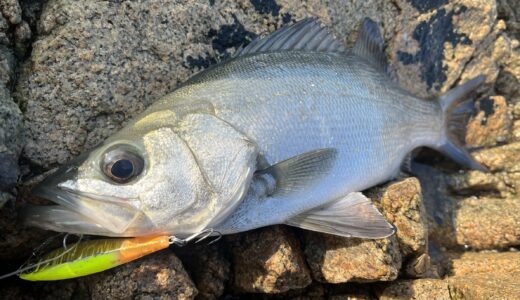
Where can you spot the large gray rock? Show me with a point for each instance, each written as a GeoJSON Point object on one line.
{"type": "Point", "coordinates": [94, 65]}
{"type": "Point", "coordinates": [11, 140]}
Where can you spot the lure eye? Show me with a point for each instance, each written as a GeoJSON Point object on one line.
{"type": "Point", "coordinates": [122, 163]}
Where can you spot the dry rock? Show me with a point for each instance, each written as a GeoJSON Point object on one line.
{"type": "Point", "coordinates": [488, 223]}
{"type": "Point", "coordinates": [485, 276]}
{"type": "Point", "coordinates": [94, 65]}
{"type": "Point", "coordinates": [419, 289]}
{"type": "Point", "coordinates": [208, 267]}
{"type": "Point", "coordinates": [269, 261]}
{"type": "Point", "coordinates": [503, 158]}
{"type": "Point", "coordinates": [435, 40]}
{"type": "Point", "coordinates": [158, 276]}
{"type": "Point", "coordinates": [10, 128]}
{"type": "Point", "coordinates": [473, 276]}
{"type": "Point", "coordinates": [492, 124]}
{"type": "Point", "coordinates": [335, 259]}
{"type": "Point", "coordinates": [403, 206]}
{"type": "Point", "coordinates": [11, 10]}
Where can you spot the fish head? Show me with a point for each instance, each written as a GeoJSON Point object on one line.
{"type": "Point", "coordinates": [135, 183]}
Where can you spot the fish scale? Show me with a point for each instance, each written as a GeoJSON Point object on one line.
{"type": "Point", "coordinates": [289, 131]}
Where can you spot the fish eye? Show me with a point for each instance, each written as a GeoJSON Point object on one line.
{"type": "Point", "coordinates": [122, 163]}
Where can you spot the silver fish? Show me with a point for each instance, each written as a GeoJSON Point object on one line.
{"type": "Point", "coordinates": [289, 131]}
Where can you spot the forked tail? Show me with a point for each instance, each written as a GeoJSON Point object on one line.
{"type": "Point", "coordinates": [457, 110]}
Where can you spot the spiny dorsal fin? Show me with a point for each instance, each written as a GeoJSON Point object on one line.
{"type": "Point", "coordinates": [305, 35]}
{"type": "Point", "coordinates": [370, 45]}
{"type": "Point", "coordinates": [298, 172]}
{"type": "Point", "coordinates": [351, 216]}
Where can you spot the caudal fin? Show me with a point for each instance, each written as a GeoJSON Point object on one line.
{"type": "Point", "coordinates": [457, 110]}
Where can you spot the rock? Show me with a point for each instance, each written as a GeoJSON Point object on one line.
{"type": "Point", "coordinates": [503, 158]}
{"type": "Point", "coordinates": [158, 276]}
{"type": "Point", "coordinates": [510, 12]}
{"type": "Point", "coordinates": [484, 222]}
{"type": "Point", "coordinates": [208, 268]}
{"type": "Point", "coordinates": [492, 124]}
{"type": "Point", "coordinates": [337, 260]}
{"type": "Point", "coordinates": [485, 276]}
{"type": "Point", "coordinates": [86, 75]}
{"type": "Point", "coordinates": [10, 128]}
{"type": "Point", "coordinates": [473, 276]}
{"type": "Point", "coordinates": [434, 42]}
{"type": "Point", "coordinates": [488, 223]}
{"type": "Point", "coordinates": [268, 261]}
{"type": "Point", "coordinates": [334, 259]}
{"type": "Point", "coordinates": [403, 206]}
{"type": "Point", "coordinates": [11, 10]}
{"type": "Point", "coordinates": [419, 289]}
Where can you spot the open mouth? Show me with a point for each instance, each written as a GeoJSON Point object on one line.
{"type": "Point", "coordinates": [79, 212]}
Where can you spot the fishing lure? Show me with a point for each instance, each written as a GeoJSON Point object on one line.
{"type": "Point", "coordinates": [89, 257]}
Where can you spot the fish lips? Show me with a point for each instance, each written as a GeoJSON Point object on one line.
{"type": "Point", "coordinates": [77, 211]}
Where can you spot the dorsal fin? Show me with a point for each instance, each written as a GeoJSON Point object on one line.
{"type": "Point", "coordinates": [305, 35]}
{"type": "Point", "coordinates": [370, 46]}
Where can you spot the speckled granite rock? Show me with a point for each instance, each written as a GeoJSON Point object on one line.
{"type": "Point", "coordinates": [207, 266]}
{"type": "Point", "coordinates": [492, 125]}
{"type": "Point", "coordinates": [402, 205]}
{"type": "Point", "coordinates": [473, 276]}
{"type": "Point", "coordinates": [488, 223]}
{"type": "Point", "coordinates": [335, 259]}
{"type": "Point", "coordinates": [419, 289]}
{"type": "Point", "coordinates": [158, 276]}
{"type": "Point", "coordinates": [435, 40]}
{"type": "Point", "coordinates": [485, 276]}
{"type": "Point", "coordinates": [268, 261]}
{"type": "Point", "coordinates": [86, 75]}
{"type": "Point", "coordinates": [11, 140]}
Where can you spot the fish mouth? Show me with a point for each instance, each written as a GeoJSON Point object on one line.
{"type": "Point", "coordinates": [79, 212]}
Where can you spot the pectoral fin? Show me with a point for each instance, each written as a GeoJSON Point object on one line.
{"type": "Point", "coordinates": [351, 216]}
{"type": "Point", "coordinates": [300, 171]}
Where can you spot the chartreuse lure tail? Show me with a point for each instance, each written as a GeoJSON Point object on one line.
{"type": "Point", "coordinates": [89, 257]}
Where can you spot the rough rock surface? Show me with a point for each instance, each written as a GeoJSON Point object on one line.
{"type": "Point", "coordinates": [159, 276]}
{"type": "Point", "coordinates": [492, 124]}
{"type": "Point", "coordinates": [486, 276]}
{"type": "Point", "coordinates": [402, 205]}
{"type": "Point", "coordinates": [269, 261]}
{"type": "Point", "coordinates": [208, 267]}
{"type": "Point", "coordinates": [435, 41]}
{"type": "Point", "coordinates": [335, 259]}
{"type": "Point", "coordinates": [419, 289]}
{"type": "Point", "coordinates": [488, 223]}
{"type": "Point", "coordinates": [473, 276]}
{"type": "Point", "coordinates": [96, 64]}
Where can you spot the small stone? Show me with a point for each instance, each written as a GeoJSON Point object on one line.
{"type": "Point", "coordinates": [419, 289]}
{"type": "Point", "coordinates": [158, 276]}
{"type": "Point", "coordinates": [487, 223]}
{"type": "Point", "coordinates": [334, 259]}
{"type": "Point", "coordinates": [268, 260]}
{"type": "Point", "coordinates": [491, 125]}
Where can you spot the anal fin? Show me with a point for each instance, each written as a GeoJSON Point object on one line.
{"type": "Point", "coordinates": [351, 216]}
